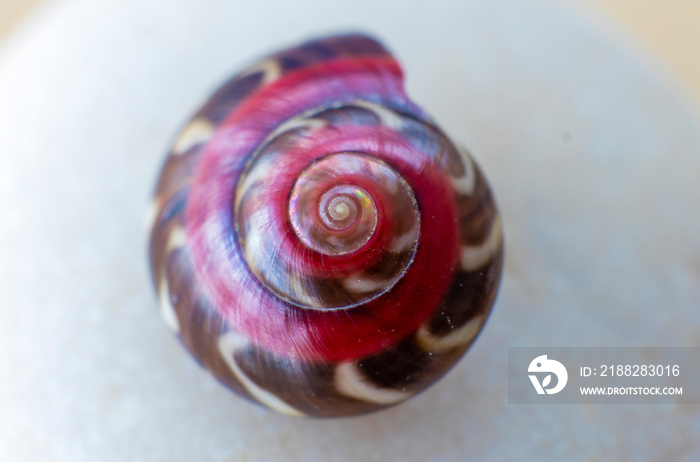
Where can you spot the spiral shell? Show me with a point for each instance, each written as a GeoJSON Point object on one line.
{"type": "Point", "coordinates": [317, 242]}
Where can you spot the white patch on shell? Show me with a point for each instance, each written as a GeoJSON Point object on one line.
{"type": "Point", "coordinates": [256, 253]}
{"type": "Point", "coordinates": [167, 311]}
{"type": "Point", "coordinates": [362, 284]}
{"type": "Point", "coordinates": [254, 176]}
{"type": "Point", "coordinates": [228, 344]}
{"type": "Point", "coordinates": [474, 257]}
{"type": "Point", "coordinates": [388, 117]}
{"type": "Point", "coordinates": [297, 288]}
{"type": "Point", "coordinates": [197, 132]}
{"type": "Point", "coordinates": [465, 183]}
{"type": "Point", "coordinates": [404, 242]}
{"type": "Point", "coordinates": [270, 67]}
{"type": "Point", "coordinates": [152, 214]}
{"type": "Point", "coordinates": [456, 338]}
{"type": "Point", "coordinates": [176, 239]}
{"type": "Point", "coordinates": [350, 382]}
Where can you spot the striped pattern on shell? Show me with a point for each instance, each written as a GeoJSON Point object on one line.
{"type": "Point", "coordinates": [317, 242]}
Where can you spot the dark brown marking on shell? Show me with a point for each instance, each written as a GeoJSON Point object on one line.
{"type": "Point", "coordinates": [326, 49]}
{"type": "Point", "coordinates": [426, 138]}
{"type": "Point", "coordinates": [308, 387]}
{"type": "Point", "coordinates": [389, 263]}
{"type": "Point", "coordinates": [177, 173]}
{"type": "Point", "coordinates": [229, 95]}
{"type": "Point", "coordinates": [358, 45]}
{"type": "Point", "coordinates": [471, 295]}
{"type": "Point", "coordinates": [282, 142]}
{"type": "Point", "coordinates": [407, 366]}
{"type": "Point", "coordinates": [449, 158]}
{"type": "Point", "coordinates": [349, 115]}
{"type": "Point", "coordinates": [476, 211]}
{"type": "Point", "coordinates": [398, 367]}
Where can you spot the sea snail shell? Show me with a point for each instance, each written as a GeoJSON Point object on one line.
{"type": "Point", "coordinates": [317, 242]}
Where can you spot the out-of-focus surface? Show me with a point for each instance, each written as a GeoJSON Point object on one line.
{"type": "Point", "coordinates": [14, 11]}
{"type": "Point", "coordinates": [592, 154]}
{"type": "Point", "coordinates": [667, 29]}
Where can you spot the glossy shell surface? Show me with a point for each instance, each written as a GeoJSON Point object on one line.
{"type": "Point", "coordinates": [317, 242]}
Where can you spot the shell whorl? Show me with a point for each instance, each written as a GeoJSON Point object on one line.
{"type": "Point", "coordinates": [354, 219]}
{"type": "Point", "coordinates": [318, 243]}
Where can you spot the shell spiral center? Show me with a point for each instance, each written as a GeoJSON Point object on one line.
{"type": "Point", "coordinates": [353, 225]}
{"type": "Point", "coordinates": [329, 211]}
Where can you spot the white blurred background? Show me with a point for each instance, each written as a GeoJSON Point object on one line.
{"type": "Point", "coordinates": [669, 29]}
